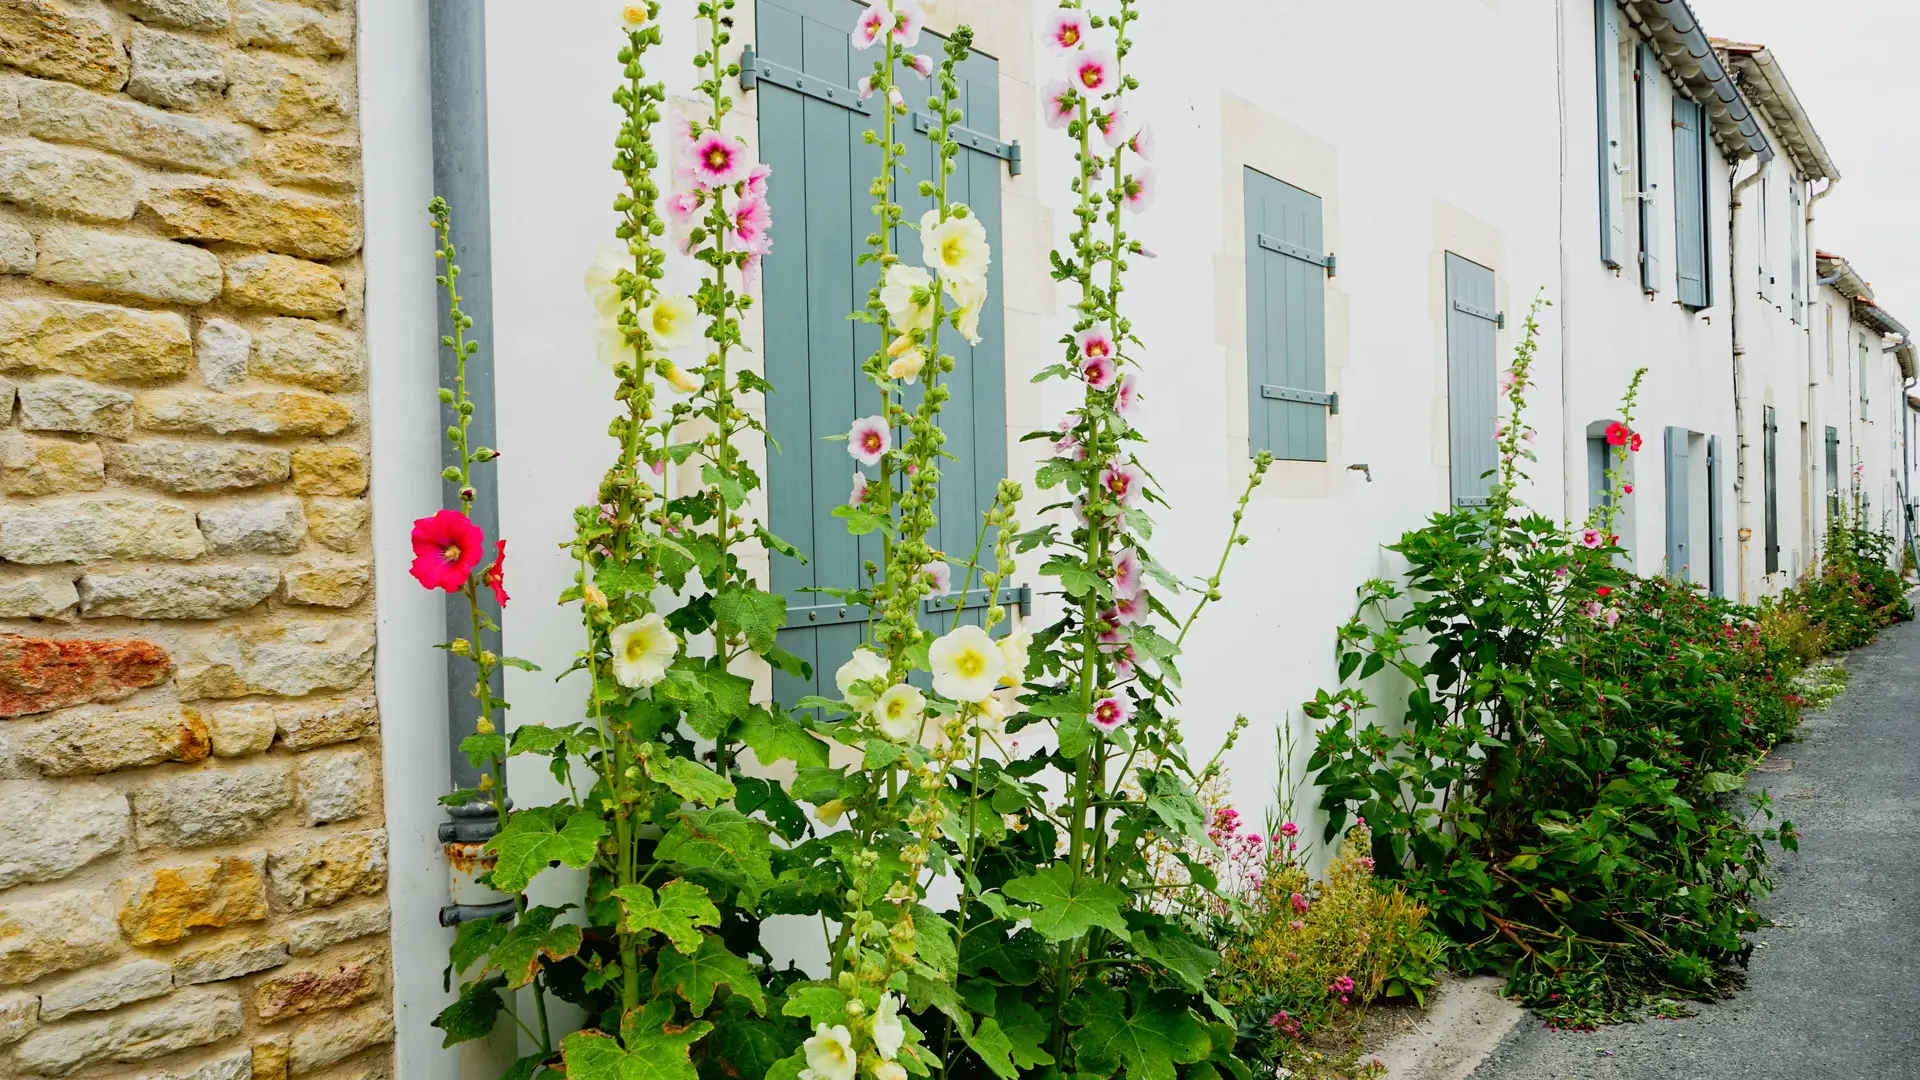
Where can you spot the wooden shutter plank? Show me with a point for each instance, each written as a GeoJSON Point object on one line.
{"type": "Point", "coordinates": [1679, 509]}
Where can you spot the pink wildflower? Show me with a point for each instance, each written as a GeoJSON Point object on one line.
{"type": "Point", "coordinates": [871, 24]}
{"type": "Point", "coordinates": [1590, 538]}
{"type": "Point", "coordinates": [1289, 830]}
{"type": "Point", "coordinates": [1299, 903]}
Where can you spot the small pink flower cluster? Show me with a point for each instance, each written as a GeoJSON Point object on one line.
{"type": "Point", "coordinates": [708, 164]}
{"type": "Point", "coordinates": [1285, 1023]}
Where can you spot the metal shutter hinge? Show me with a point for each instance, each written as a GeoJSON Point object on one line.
{"type": "Point", "coordinates": [1295, 251]}
{"type": "Point", "coordinates": [1305, 397]}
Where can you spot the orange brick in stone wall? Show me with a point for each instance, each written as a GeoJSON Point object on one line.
{"type": "Point", "coordinates": [193, 860]}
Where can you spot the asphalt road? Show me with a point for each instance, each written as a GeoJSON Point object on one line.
{"type": "Point", "coordinates": [1833, 986]}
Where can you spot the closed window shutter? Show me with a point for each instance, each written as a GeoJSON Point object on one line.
{"type": "Point", "coordinates": [1646, 71]}
{"type": "Point", "coordinates": [1692, 256]}
{"type": "Point", "coordinates": [1770, 468]}
{"type": "Point", "coordinates": [1833, 471]}
{"type": "Point", "coordinates": [1716, 520]}
{"type": "Point", "coordinates": [1287, 268]}
{"type": "Point", "coordinates": [813, 137]}
{"type": "Point", "coordinates": [1606, 55]}
{"type": "Point", "coordinates": [1797, 231]}
{"type": "Point", "coordinates": [1599, 460]}
{"type": "Point", "coordinates": [1761, 192]}
{"type": "Point", "coordinates": [1472, 394]}
{"type": "Point", "coordinates": [1679, 508]}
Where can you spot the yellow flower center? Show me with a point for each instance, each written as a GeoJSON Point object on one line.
{"type": "Point", "coordinates": [1070, 36]}
{"type": "Point", "coordinates": [637, 646]}
{"type": "Point", "coordinates": [451, 554]}
{"type": "Point", "coordinates": [970, 664]}
{"type": "Point", "coordinates": [870, 442]}
{"type": "Point", "coordinates": [951, 249]}
{"type": "Point", "coordinates": [662, 321]}
{"type": "Point", "coordinates": [717, 158]}
{"type": "Point", "coordinates": [1090, 77]}
{"type": "Point", "coordinates": [896, 708]}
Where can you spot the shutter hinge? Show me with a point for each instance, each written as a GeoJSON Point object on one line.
{"type": "Point", "coordinates": [1497, 318]}
{"type": "Point", "coordinates": [1008, 152]}
{"type": "Point", "coordinates": [1295, 251]}
{"type": "Point", "coordinates": [754, 71]}
{"type": "Point", "coordinates": [1305, 397]}
{"type": "Point", "coordinates": [1021, 596]}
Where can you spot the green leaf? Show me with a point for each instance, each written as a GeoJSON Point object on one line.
{"type": "Point", "coordinates": [680, 910]}
{"type": "Point", "coordinates": [1718, 781]}
{"type": "Point", "coordinates": [1159, 1033]}
{"type": "Point", "coordinates": [475, 939]}
{"type": "Point", "coordinates": [483, 750]}
{"type": "Point", "coordinates": [994, 1048]}
{"type": "Point", "coordinates": [696, 977]}
{"type": "Point", "coordinates": [925, 993]}
{"type": "Point", "coordinates": [1016, 958]}
{"type": "Point", "coordinates": [819, 1003]}
{"type": "Point", "coordinates": [1175, 804]}
{"type": "Point", "coordinates": [744, 1046]}
{"type": "Point", "coordinates": [472, 1014]}
{"type": "Point", "coordinates": [775, 737]}
{"type": "Point", "coordinates": [744, 609]}
{"type": "Point", "coordinates": [649, 1051]}
{"type": "Point", "coordinates": [524, 1068]}
{"type": "Point", "coordinates": [518, 955]}
{"type": "Point", "coordinates": [1163, 943]}
{"type": "Point", "coordinates": [729, 488]}
{"type": "Point", "coordinates": [617, 581]}
{"type": "Point", "coordinates": [768, 799]}
{"type": "Point", "coordinates": [861, 521]}
{"type": "Point", "coordinates": [722, 843]}
{"type": "Point", "coordinates": [1074, 575]}
{"type": "Point", "coordinates": [687, 778]}
{"type": "Point", "coordinates": [533, 839]}
{"type": "Point", "coordinates": [1066, 909]}
{"type": "Point", "coordinates": [1027, 1031]}
{"type": "Point", "coordinates": [933, 941]}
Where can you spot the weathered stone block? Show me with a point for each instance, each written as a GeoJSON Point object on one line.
{"type": "Point", "coordinates": [99, 341]}
{"type": "Point", "coordinates": [211, 806]}
{"type": "Point", "coordinates": [285, 26]}
{"type": "Point", "coordinates": [270, 1058]}
{"type": "Point", "coordinates": [176, 72]}
{"type": "Point", "coordinates": [302, 225]}
{"type": "Point", "coordinates": [49, 466]}
{"type": "Point", "coordinates": [183, 1021]}
{"type": "Point", "coordinates": [262, 412]}
{"type": "Point", "coordinates": [223, 349]}
{"type": "Point", "coordinates": [157, 270]}
{"type": "Point", "coordinates": [196, 467]}
{"type": "Point", "coordinates": [291, 660]}
{"type": "Point", "coordinates": [68, 114]}
{"type": "Point", "coordinates": [304, 726]}
{"type": "Point", "coordinates": [102, 742]}
{"type": "Point", "coordinates": [228, 959]}
{"type": "Point", "coordinates": [106, 988]}
{"type": "Point", "coordinates": [62, 932]}
{"type": "Point", "coordinates": [8, 391]}
{"type": "Point", "coordinates": [38, 596]}
{"type": "Point", "coordinates": [336, 786]}
{"type": "Point", "coordinates": [72, 405]}
{"type": "Point", "coordinates": [337, 523]}
{"type": "Point", "coordinates": [40, 675]}
{"type": "Point", "coordinates": [67, 183]}
{"type": "Point", "coordinates": [185, 14]}
{"type": "Point", "coordinates": [18, 253]}
{"type": "Point", "coordinates": [233, 1066]}
{"type": "Point", "coordinates": [62, 827]}
{"type": "Point", "coordinates": [283, 283]}
{"type": "Point", "coordinates": [321, 987]}
{"type": "Point", "coordinates": [321, 873]}
{"type": "Point", "coordinates": [274, 526]}
{"type": "Point", "coordinates": [329, 470]}
{"type": "Point", "coordinates": [330, 928]}
{"type": "Point", "coordinates": [61, 41]}
{"type": "Point", "coordinates": [275, 94]}
{"type": "Point", "coordinates": [241, 730]}
{"type": "Point", "coordinates": [165, 905]}
{"type": "Point", "coordinates": [333, 1039]}
{"type": "Point", "coordinates": [333, 585]}
{"type": "Point", "coordinates": [307, 353]}
{"type": "Point", "coordinates": [304, 159]}
{"type": "Point", "coordinates": [90, 530]}
{"type": "Point", "coordinates": [19, 1015]}
{"type": "Point", "coordinates": [176, 592]}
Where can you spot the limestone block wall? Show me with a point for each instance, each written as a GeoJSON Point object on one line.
{"type": "Point", "coordinates": [192, 853]}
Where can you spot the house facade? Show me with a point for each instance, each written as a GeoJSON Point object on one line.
{"type": "Point", "coordinates": [220, 351]}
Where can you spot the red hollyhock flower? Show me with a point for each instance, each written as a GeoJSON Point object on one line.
{"type": "Point", "coordinates": [1636, 442]}
{"type": "Point", "coordinates": [446, 548]}
{"type": "Point", "coordinates": [495, 577]}
{"type": "Point", "coordinates": [1604, 590]}
{"type": "Point", "coordinates": [1616, 434]}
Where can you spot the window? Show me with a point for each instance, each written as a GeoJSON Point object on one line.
{"type": "Point", "coordinates": [1770, 471]}
{"type": "Point", "coordinates": [1646, 70]}
{"type": "Point", "coordinates": [1606, 55]}
{"type": "Point", "coordinates": [1599, 460]}
{"type": "Point", "coordinates": [1693, 262]}
{"type": "Point", "coordinates": [1287, 271]}
{"type": "Point", "coordinates": [815, 139]}
{"type": "Point", "coordinates": [1473, 399]}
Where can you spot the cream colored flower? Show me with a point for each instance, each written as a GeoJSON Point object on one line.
{"type": "Point", "coordinates": [681, 380]}
{"type": "Point", "coordinates": [901, 712]}
{"type": "Point", "coordinates": [907, 293]}
{"type": "Point", "coordinates": [603, 289]}
{"type": "Point", "coordinates": [966, 663]}
{"type": "Point", "coordinates": [1013, 648]}
{"type": "Point", "coordinates": [830, 1054]}
{"type": "Point", "coordinates": [642, 649]}
{"type": "Point", "coordinates": [888, 1032]}
{"type": "Point", "coordinates": [955, 248]}
{"type": "Point", "coordinates": [889, 1070]}
{"type": "Point", "coordinates": [865, 666]}
{"type": "Point", "coordinates": [830, 813]}
{"type": "Point", "coordinates": [634, 15]}
{"type": "Point", "coordinates": [972, 298]}
{"type": "Point", "coordinates": [907, 366]}
{"type": "Point", "coordinates": [671, 322]}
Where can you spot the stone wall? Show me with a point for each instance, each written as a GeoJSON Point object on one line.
{"type": "Point", "coordinates": [192, 858]}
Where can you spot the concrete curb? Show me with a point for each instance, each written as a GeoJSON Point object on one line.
{"type": "Point", "coordinates": [1467, 1020]}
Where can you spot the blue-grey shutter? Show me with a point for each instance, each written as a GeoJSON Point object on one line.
{"type": "Point", "coordinates": [1716, 520]}
{"type": "Point", "coordinates": [1770, 466]}
{"type": "Point", "coordinates": [1646, 70]}
{"type": "Point", "coordinates": [1833, 472]}
{"type": "Point", "coordinates": [1679, 510]}
{"type": "Point", "coordinates": [1797, 231]}
{"type": "Point", "coordinates": [1287, 268]}
{"type": "Point", "coordinates": [1692, 257]}
{"type": "Point", "coordinates": [812, 134]}
{"type": "Point", "coordinates": [1598, 462]}
{"type": "Point", "coordinates": [1606, 60]}
{"type": "Point", "coordinates": [1473, 398]}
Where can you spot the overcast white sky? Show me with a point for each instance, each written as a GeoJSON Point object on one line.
{"type": "Point", "coordinates": [1852, 65]}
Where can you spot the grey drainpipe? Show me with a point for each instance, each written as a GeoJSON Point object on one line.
{"type": "Point", "coordinates": [1739, 352]}
{"type": "Point", "coordinates": [458, 33]}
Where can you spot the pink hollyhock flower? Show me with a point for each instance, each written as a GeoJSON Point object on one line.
{"type": "Point", "coordinates": [908, 18]}
{"type": "Point", "coordinates": [752, 222]}
{"type": "Point", "coordinates": [922, 65]}
{"type": "Point", "coordinates": [940, 576]}
{"type": "Point", "coordinates": [1091, 71]}
{"type": "Point", "coordinates": [1110, 712]}
{"type": "Point", "coordinates": [446, 548]}
{"type": "Point", "coordinates": [1126, 400]}
{"type": "Point", "coordinates": [1129, 610]}
{"type": "Point", "coordinates": [1066, 30]}
{"type": "Point", "coordinates": [865, 87]}
{"type": "Point", "coordinates": [1499, 432]}
{"type": "Point", "coordinates": [1113, 126]}
{"type": "Point", "coordinates": [1592, 608]}
{"type": "Point", "coordinates": [495, 576]}
{"type": "Point", "coordinates": [1124, 662]}
{"type": "Point", "coordinates": [660, 467]}
{"type": "Point", "coordinates": [1098, 371]}
{"type": "Point", "coordinates": [1126, 572]}
{"type": "Point", "coordinates": [718, 160]}
{"type": "Point", "coordinates": [896, 99]}
{"type": "Point", "coordinates": [1289, 830]}
{"type": "Point", "coordinates": [871, 24]}
{"type": "Point", "coordinates": [1122, 483]}
{"type": "Point", "coordinates": [1111, 639]}
{"type": "Point", "coordinates": [1560, 572]}
{"type": "Point", "coordinates": [1096, 341]}
{"type": "Point", "coordinates": [1612, 617]}
{"type": "Point", "coordinates": [1590, 538]}
{"type": "Point", "coordinates": [757, 179]}
{"type": "Point", "coordinates": [1068, 445]}
{"type": "Point", "coordinates": [1141, 188]}
{"type": "Point", "coordinates": [859, 496]}
{"type": "Point", "coordinates": [1143, 142]}
{"type": "Point", "coordinates": [869, 440]}
{"type": "Point", "coordinates": [1058, 101]}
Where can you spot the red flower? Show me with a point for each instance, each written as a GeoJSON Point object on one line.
{"type": "Point", "coordinates": [1616, 434]}
{"type": "Point", "coordinates": [495, 576]}
{"type": "Point", "coordinates": [1626, 489]}
{"type": "Point", "coordinates": [446, 548]}
{"type": "Point", "coordinates": [1604, 590]}
{"type": "Point", "coordinates": [1636, 442]}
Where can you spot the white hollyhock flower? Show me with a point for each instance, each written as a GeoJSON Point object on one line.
{"type": "Point", "coordinates": [907, 293]}
{"type": "Point", "coordinates": [956, 248]}
{"type": "Point", "coordinates": [869, 439]}
{"type": "Point", "coordinates": [603, 290]}
{"type": "Point", "coordinates": [972, 297]}
{"type": "Point", "coordinates": [681, 379]}
{"type": "Point", "coordinates": [901, 712]}
{"type": "Point", "coordinates": [907, 366]}
{"type": "Point", "coordinates": [865, 666]}
{"type": "Point", "coordinates": [889, 1070]}
{"type": "Point", "coordinates": [1013, 650]}
{"type": "Point", "coordinates": [967, 664]}
{"type": "Point", "coordinates": [642, 649]}
{"type": "Point", "coordinates": [888, 1032]}
{"type": "Point", "coordinates": [671, 322]}
{"type": "Point", "coordinates": [830, 1054]}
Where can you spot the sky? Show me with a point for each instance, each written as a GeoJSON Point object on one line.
{"type": "Point", "coordinates": [1851, 65]}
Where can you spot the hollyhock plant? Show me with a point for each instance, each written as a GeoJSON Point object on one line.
{"type": "Point", "coordinates": [1590, 538]}
{"type": "Point", "coordinates": [869, 440]}
{"type": "Point", "coordinates": [1122, 483]}
{"type": "Point", "coordinates": [1099, 371]}
{"type": "Point", "coordinates": [1126, 572]}
{"type": "Point", "coordinates": [922, 65]}
{"type": "Point", "coordinates": [1091, 71]}
{"type": "Point", "coordinates": [1066, 30]}
{"type": "Point", "coordinates": [1140, 189]}
{"type": "Point", "coordinates": [446, 548]}
{"type": "Point", "coordinates": [1096, 342]}
{"type": "Point", "coordinates": [859, 496]}
{"type": "Point", "coordinates": [908, 20]}
{"type": "Point", "coordinates": [871, 26]}
{"type": "Point", "coordinates": [1126, 399]}
{"type": "Point", "coordinates": [1113, 127]}
{"type": "Point", "coordinates": [1058, 103]}
{"type": "Point", "coordinates": [1110, 712]}
{"type": "Point", "coordinates": [495, 576]}
{"type": "Point", "coordinates": [1143, 142]}
{"type": "Point", "coordinates": [956, 247]}
{"type": "Point", "coordinates": [1617, 434]}
{"type": "Point", "coordinates": [716, 160]}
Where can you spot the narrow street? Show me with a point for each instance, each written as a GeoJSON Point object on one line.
{"type": "Point", "coordinates": [1832, 986]}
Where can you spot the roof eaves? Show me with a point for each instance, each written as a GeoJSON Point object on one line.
{"type": "Point", "coordinates": [1689, 55]}
{"type": "Point", "coordinates": [1764, 82]}
{"type": "Point", "coordinates": [1848, 281]}
{"type": "Point", "coordinates": [1877, 317]}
